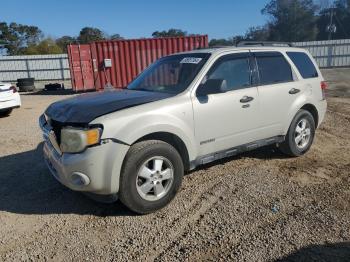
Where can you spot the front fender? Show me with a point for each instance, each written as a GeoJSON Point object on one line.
{"type": "Point", "coordinates": [144, 126]}
{"type": "Point", "coordinates": [174, 115]}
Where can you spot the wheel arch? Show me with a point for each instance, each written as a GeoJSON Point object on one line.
{"type": "Point", "coordinates": [173, 140]}
{"type": "Point", "coordinates": [304, 105]}
{"type": "Point", "coordinates": [313, 111]}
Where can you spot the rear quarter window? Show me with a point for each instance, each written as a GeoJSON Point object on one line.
{"type": "Point", "coordinates": [273, 68]}
{"type": "Point", "coordinates": [304, 64]}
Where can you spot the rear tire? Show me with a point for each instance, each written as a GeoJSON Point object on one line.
{"type": "Point", "coordinates": [26, 88]}
{"type": "Point", "coordinates": [300, 134]}
{"type": "Point", "coordinates": [151, 176]}
{"type": "Point", "coordinates": [5, 112]}
{"type": "Point", "coordinates": [26, 84]}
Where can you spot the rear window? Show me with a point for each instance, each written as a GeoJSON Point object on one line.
{"type": "Point", "coordinates": [273, 68]}
{"type": "Point", "coordinates": [304, 64]}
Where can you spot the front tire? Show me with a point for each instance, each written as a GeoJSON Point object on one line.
{"type": "Point", "coordinates": [300, 134]}
{"type": "Point", "coordinates": [151, 176]}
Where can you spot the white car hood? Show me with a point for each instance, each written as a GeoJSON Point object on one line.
{"type": "Point", "coordinates": [5, 86]}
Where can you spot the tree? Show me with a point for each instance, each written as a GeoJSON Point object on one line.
{"type": "Point", "coordinates": [340, 13]}
{"type": "Point", "coordinates": [16, 37]}
{"type": "Point", "coordinates": [170, 33]}
{"type": "Point", "coordinates": [64, 41]}
{"type": "Point", "coordinates": [220, 42]}
{"type": "Point", "coordinates": [230, 41]}
{"type": "Point", "coordinates": [116, 37]}
{"type": "Point", "coordinates": [236, 39]}
{"type": "Point", "coordinates": [90, 34]}
{"type": "Point", "coordinates": [291, 20]}
{"type": "Point", "coordinates": [45, 47]}
{"type": "Point", "coordinates": [258, 33]}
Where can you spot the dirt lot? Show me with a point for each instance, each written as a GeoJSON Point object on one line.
{"type": "Point", "coordinates": [260, 206]}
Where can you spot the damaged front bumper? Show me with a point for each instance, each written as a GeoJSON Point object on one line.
{"type": "Point", "coordinates": [95, 171]}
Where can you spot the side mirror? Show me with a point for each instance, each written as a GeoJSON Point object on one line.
{"type": "Point", "coordinates": [211, 86]}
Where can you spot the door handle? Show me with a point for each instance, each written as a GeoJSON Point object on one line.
{"type": "Point", "coordinates": [294, 91]}
{"type": "Point", "coordinates": [246, 99]}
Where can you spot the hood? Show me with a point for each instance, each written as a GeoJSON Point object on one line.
{"type": "Point", "coordinates": [84, 108]}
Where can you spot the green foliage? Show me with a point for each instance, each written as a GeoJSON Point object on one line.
{"type": "Point", "coordinates": [64, 41]}
{"type": "Point", "coordinates": [341, 19]}
{"type": "Point", "coordinates": [45, 47]}
{"type": "Point", "coordinates": [258, 33]}
{"type": "Point", "coordinates": [220, 42]}
{"type": "Point", "coordinates": [291, 20]}
{"type": "Point", "coordinates": [116, 37]}
{"type": "Point", "coordinates": [90, 34]}
{"type": "Point", "coordinates": [297, 20]}
{"type": "Point", "coordinates": [16, 37]}
{"type": "Point", "coordinates": [170, 33]}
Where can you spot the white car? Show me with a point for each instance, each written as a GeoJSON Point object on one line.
{"type": "Point", "coordinates": [9, 99]}
{"type": "Point", "coordinates": [185, 110]}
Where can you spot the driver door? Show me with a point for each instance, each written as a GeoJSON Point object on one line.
{"type": "Point", "coordinates": [229, 118]}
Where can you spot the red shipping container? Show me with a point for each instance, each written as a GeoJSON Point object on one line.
{"type": "Point", "coordinates": [116, 63]}
{"type": "Point", "coordinates": [80, 65]}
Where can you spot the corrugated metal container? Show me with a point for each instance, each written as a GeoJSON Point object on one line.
{"type": "Point", "coordinates": [125, 59]}
{"type": "Point", "coordinates": [80, 65]}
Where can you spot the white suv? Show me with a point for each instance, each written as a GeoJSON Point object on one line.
{"type": "Point", "coordinates": [184, 110]}
{"type": "Point", "coordinates": [9, 99]}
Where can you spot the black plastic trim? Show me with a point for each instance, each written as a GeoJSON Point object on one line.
{"type": "Point", "coordinates": [264, 43]}
{"type": "Point", "coordinates": [234, 151]}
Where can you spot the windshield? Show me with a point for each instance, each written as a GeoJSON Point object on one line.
{"type": "Point", "coordinates": [171, 74]}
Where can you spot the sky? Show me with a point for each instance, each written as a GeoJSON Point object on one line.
{"type": "Point", "coordinates": [136, 18]}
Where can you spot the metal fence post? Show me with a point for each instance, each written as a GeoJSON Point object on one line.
{"type": "Point", "coordinates": [27, 67]}
{"type": "Point", "coordinates": [330, 55]}
{"type": "Point", "coordinates": [62, 69]}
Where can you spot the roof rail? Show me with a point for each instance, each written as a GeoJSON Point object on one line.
{"type": "Point", "coordinates": [263, 43]}
{"type": "Point", "coordinates": [215, 46]}
{"type": "Point", "coordinates": [221, 46]}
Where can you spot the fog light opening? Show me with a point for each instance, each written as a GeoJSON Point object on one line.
{"type": "Point", "coordinates": [79, 179]}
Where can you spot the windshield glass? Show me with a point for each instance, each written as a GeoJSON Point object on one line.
{"type": "Point", "coordinates": [171, 74]}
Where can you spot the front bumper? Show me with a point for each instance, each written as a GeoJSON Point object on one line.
{"type": "Point", "coordinates": [101, 165]}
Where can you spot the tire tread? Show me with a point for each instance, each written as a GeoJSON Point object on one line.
{"type": "Point", "coordinates": [125, 195]}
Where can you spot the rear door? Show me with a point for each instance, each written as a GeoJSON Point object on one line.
{"type": "Point", "coordinates": [307, 69]}
{"type": "Point", "coordinates": [277, 91]}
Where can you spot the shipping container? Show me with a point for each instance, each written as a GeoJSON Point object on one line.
{"type": "Point", "coordinates": [80, 66]}
{"type": "Point", "coordinates": [117, 62]}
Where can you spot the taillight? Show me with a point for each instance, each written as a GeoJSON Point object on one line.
{"type": "Point", "coordinates": [324, 86]}
{"type": "Point", "coordinates": [14, 89]}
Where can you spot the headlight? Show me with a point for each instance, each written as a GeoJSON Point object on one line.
{"type": "Point", "coordinates": [75, 140]}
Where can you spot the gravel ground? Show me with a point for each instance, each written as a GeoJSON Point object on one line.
{"type": "Point", "coordinates": [259, 206]}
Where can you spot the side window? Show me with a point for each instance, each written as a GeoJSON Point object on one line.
{"type": "Point", "coordinates": [273, 68]}
{"type": "Point", "coordinates": [234, 70]}
{"type": "Point", "coordinates": [304, 64]}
